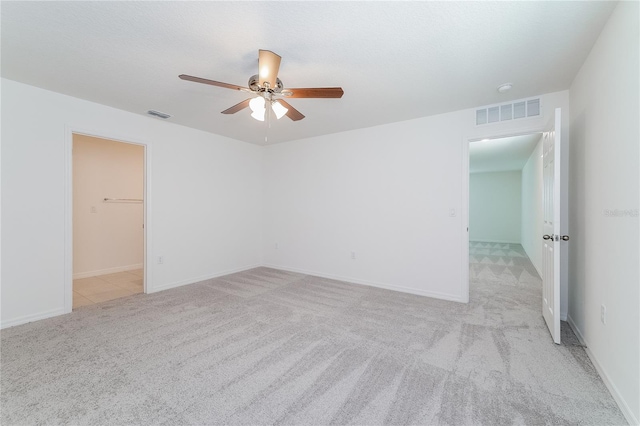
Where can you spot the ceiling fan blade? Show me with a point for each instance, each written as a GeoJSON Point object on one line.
{"type": "Point", "coordinates": [268, 66]}
{"type": "Point", "coordinates": [316, 92]}
{"type": "Point", "coordinates": [292, 113]}
{"type": "Point", "coordinates": [211, 82]}
{"type": "Point", "coordinates": [237, 107]}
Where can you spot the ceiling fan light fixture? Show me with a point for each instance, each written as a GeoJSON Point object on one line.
{"type": "Point", "coordinates": [258, 115]}
{"type": "Point", "coordinates": [258, 108]}
{"type": "Point", "coordinates": [257, 104]}
{"type": "Point", "coordinates": [279, 109]}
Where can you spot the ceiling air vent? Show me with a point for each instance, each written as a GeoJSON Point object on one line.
{"type": "Point", "coordinates": [506, 112]}
{"type": "Point", "coordinates": [158, 114]}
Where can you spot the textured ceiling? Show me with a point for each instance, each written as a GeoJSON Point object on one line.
{"type": "Point", "coordinates": [395, 60]}
{"type": "Point", "coordinates": [499, 155]}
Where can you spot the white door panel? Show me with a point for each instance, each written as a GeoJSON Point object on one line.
{"type": "Point", "coordinates": [551, 206]}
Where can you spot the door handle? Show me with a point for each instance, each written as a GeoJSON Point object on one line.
{"type": "Point", "coordinates": [565, 238]}
{"type": "Point", "coordinates": [547, 237]}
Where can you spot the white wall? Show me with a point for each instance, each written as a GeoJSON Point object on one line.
{"type": "Point", "coordinates": [495, 206]}
{"type": "Point", "coordinates": [385, 193]}
{"type": "Point", "coordinates": [604, 253]}
{"type": "Point", "coordinates": [377, 192]}
{"type": "Point", "coordinates": [204, 192]}
{"type": "Point", "coordinates": [532, 218]}
{"type": "Point", "coordinates": [107, 237]}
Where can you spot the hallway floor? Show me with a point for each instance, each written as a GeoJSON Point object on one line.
{"type": "Point", "coordinates": [507, 264]}
{"type": "Point", "coordinates": [92, 290]}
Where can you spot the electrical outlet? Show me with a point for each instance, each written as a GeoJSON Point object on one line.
{"type": "Point", "coordinates": [353, 255]}
{"type": "Point", "coordinates": [452, 212]}
{"type": "Point", "coordinates": [603, 314]}
{"type": "Point", "coordinates": [160, 260]}
{"type": "Point", "coordinates": [93, 209]}
{"type": "Point", "coordinates": [276, 246]}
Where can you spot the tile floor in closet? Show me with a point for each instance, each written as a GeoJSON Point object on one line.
{"type": "Point", "coordinates": [88, 291]}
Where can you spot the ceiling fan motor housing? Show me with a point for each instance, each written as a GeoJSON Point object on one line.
{"type": "Point", "coordinates": [254, 84]}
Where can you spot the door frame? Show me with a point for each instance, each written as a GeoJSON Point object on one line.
{"type": "Point", "coordinates": [540, 126]}
{"type": "Point", "coordinates": [68, 204]}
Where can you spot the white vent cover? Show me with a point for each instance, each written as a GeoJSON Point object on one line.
{"type": "Point", "coordinates": [506, 112]}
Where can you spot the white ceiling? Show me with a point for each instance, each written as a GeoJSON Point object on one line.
{"type": "Point", "coordinates": [499, 155]}
{"type": "Point", "coordinates": [395, 60]}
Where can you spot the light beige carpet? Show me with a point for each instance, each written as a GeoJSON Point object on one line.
{"type": "Point", "coordinates": [271, 347]}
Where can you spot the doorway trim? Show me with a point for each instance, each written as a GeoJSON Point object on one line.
{"type": "Point", "coordinates": [69, 131]}
{"type": "Point", "coordinates": [539, 127]}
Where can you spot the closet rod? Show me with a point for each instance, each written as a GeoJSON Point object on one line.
{"type": "Point", "coordinates": [123, 200]}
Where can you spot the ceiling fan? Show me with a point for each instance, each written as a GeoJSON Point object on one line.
{"type": "Point", "coordinates": [268, 91]}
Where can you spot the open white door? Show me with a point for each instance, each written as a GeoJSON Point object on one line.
{"type": "Point", "coordinates": [551, 247]}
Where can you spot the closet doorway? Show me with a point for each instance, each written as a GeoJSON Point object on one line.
{"type": "Point", "coordinates": [107, 219]}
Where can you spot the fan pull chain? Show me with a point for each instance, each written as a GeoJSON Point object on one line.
{"type": "Point", "coordinates": [268, 120]}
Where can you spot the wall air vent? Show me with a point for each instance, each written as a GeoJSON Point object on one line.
{"type": "Point", "coordinates": [158, 114]}
{"type": "Point", "coordinates": [506, 112]}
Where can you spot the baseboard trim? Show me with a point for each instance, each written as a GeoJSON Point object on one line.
{"type": "Point", "coordinates": [576, 330]}
{"type": "Point", "coordinates": [200, 278]}
{"type": "Point", "coordinates": [432, 294]}
{"type": "Point", "coordinates": [613, 390]}
{"type": "Point", "coordinates": [107, 271]}
{"type": "Point", "coordinates": [31, 318]}
{"type": "Point", "coordinates": [538, 270]}
{"type": "Point", "coordinates": [55, 312]}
